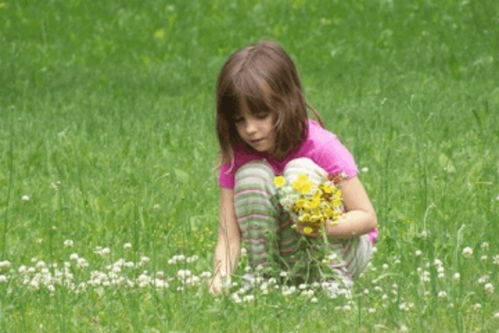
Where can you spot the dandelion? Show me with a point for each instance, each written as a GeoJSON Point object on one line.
{"type": "Point", "coordinates": [279, 181]}
{"type": "Point", "coordinates": [159, 34]}
{"type": "Point", "coordinates": [68, 243]}
{"type": "Point", "coordinates": [467, 252]}
{"type": "Point", "coordinates": [489, 288]}
{"type": "Point", "coordinates": [25, 197]}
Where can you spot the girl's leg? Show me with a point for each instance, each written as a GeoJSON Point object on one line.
{"type": "Point", "coordinates": [348, 257]}
{"type": "Point", "coordinates": [257, 212]}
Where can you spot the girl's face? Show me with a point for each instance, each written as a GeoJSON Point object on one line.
{"type": "Point", "coordinates": [256, 129]}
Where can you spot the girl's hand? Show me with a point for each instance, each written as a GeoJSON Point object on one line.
{"type": "Point", "coordinates": [217, 285]}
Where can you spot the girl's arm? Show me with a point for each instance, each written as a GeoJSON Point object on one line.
{"type": "Point", "coordinates": [229, 242]}
{"type": "Point", "coordinates": [360, 217]}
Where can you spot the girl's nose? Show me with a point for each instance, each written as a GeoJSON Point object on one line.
{"type": "Point", "coordinates": [250, 127]}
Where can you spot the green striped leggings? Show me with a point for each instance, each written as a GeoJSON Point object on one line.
{"type": "Point", "coordinates": [269, 239]}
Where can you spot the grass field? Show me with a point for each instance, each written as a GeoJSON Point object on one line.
{"type": "Point", "coordinates": [108, 194]}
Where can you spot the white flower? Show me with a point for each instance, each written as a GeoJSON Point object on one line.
{"type": "Point", "coordinates": [68, 243]}
{"type": "Point", "coordinates": [4, 264]}
{"type": "Point", "coordinates": [484, 246]}
{"type": "Point", "coordinates": [418, 253]}
{"type": "Point", "coordinates": [102, 251]}
{"type": "Point", "coordinates": [127, 246]}
{"type": "Point", "coordinates": [248, 298]}
{"type": "Point", "coordinates": [192, 259]}
{"type": "Point", "coordinates": [484, 257]}
{"type": "Point", "coordinates": [283, 274]}
{"type": "Point", "coordinates": [477, 306]}
{"type": "Point", "coordinates": [456, 276]}
{"type": "Point", "coordinates": [496, 315]}
{"type": "Point", "coordinates": [495, 259]}
{"type": "Point", "coordinates": [489, 288]}
{"type": "Point", "coordinates": [3, 279]}
{"type": "Point", "coordinates": [25, 197]}
{"type": "Point", "coordinates": [365, 169]}
{"type": "Point", "coordinates": [156, 206]}
{"type": "Point", "coordinates": [442, 294]}
{"type": "Point", "coordinates": [314, 300]}
{"type": "Point", "coordinates": [371, 310]}
{"type": "Point", "coordinates": [467, 252]}
{"type": "Point", "coordinates": [483, 279]}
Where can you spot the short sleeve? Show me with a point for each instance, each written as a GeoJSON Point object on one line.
{"type": "Point", "coordinates": [226, 176]}
{"type": "Point", "coordinates": [335, 158]}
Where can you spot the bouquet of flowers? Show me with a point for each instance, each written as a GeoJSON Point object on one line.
{"type": "Point", "coordinates": [309, 203]}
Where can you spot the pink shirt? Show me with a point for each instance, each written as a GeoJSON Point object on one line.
{"type": "Point", "coordinates": [320, 145]}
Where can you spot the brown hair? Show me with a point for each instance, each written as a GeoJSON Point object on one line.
{"type": "Point", "coordinates": [265, 78]}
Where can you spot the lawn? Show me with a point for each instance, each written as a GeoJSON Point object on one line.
{"type": "Point", "coordinates": [108, 183]}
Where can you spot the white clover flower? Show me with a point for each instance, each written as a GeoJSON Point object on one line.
{"type": "Point", "coordinates": [456, 276]}
{"type": "Point", "coordinates": [385, 266]}
{"type": "Point", "coordinates": [102, 251]}
{"type": "Point", "coordinates": [442, 294]}
{"type": "Point", "coordinates": [248, 298]}
{"type": "Point", "coordinates": [467, 252]}
{"type": "Point", "coordinates": [314, 300]}
{"type": "Point", "coordinates": [283, 274]}
{"type": "Point", "coordinates": [384, 297]}
{"type": "Point", "coordinates": [495, 259]}
{"type": "Point", "coordinates": [483, 279]}
{"type": "Point", "coordinates": [235, 297]}
{"type": "Point", "coordinates": [489, 288]}
{"type": "Point", "coordinates": [477, 306]}
{"type": "Point", "coordinates": [192, 259]}
{"type": "Point", "coordinates": [156, 206]}
{"type": "Point", "coordinates": [68, 243]}
{"type": "Point", "coordinates": [5, 264]}
{"type": "Point", "coordinates": [484, 246]}
{"type": "Point", "coordinates": [205, 275]}
{"type": "Point", "coordinates": [496, 315]}
{"type": "Point", "coordinates": [418, 253]}
{"type": "Point", "coordinates": [365, 169]}
{"type": "Point", "coordinates": [244, 252]}
{"type": "Point", "coordinates": [127, 246]}
{"type": "Point", "coordinates": [144, 260]}
{"type": "Point", "coordinates": [25, 197]}
{"type": "Point", "coordinates": [81, 263]}
{"type": "Point", "coordinates": [484, 257]}
{"type": "Point", "coordinates": [346, 307]}
{"type": "Point", "coordinates": [403, 328]}
{"type": "Point", "coordinates": [371, 310]}
{"type": "Point", "coordinates": [3, 279]}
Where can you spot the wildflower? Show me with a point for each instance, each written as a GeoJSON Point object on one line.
{"type": "Point", "coordinates": [456, 276]}
{"type": "Point", "coordinates": [192, 259]}
{"type": "Point", "coordinates": [308, 230]}
{"type": "Point", "coordinates": [489, 288]}
{"type": "Point", "coordinates": [467, 252]}
{"type": "Point", "coordinates": [3, 279]}
{"type": "Point", "coordinates": [25, 197]}
{"type": "Point", "coordinates": [385, 266]}
{"type": "Point", "coordinates": [144, 260]}
{"type": "Point", "coordinates": [68, 243]}
{"type": "Point", "coordinates": [279, 181]}
{"type": "Point", "coordinates": [81, 263]}
{"type": "Point", "coordinates": [483, 279]}
{"type": "Point", "coordinates": [442, 294]}
{"type": "Point", "coordinates": [484, 257]}
{"type": "Point", "coordinates": [4, 264]}
{"type": "Point", "coordinates": [248, 298]}
{"type": "Point", "coordinates": [156, 206]}
{"type": "Point", "coordinates": [496, 315]}
{"type": "Point", "coordinates": [159, 34]}
{"type": "Point", "coordinates": [127, 246]}
{"type": "Point", "coordinates": [495, 259]}
{"type": "Point", "coordinates": [365, 169]}
{"type": "Point", "coordinates": [283, 274]}
{"type": "Point", "coordinates": [418, 253]}
{"type": "Point", "coordinates": [484, 246]}
{"type": "Point", "coordinates": [313, 300]}
{"type": "Point", "coordinates": [477, 306]}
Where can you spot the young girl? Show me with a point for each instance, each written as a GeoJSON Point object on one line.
{"type": "Point", "coordinates": [263, 130]}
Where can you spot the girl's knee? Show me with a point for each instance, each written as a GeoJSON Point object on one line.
{"type": "Point", "coordinates": [304, 165]}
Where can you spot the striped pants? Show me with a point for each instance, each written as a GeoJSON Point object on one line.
{"type": "Point", "coordinates": [269, 239]}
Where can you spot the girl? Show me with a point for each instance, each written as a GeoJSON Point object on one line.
{"type": "Point", "coordinates": [264, 131]}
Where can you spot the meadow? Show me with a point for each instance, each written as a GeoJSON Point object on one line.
{"type": "Point", "coordinates": [108, 186]}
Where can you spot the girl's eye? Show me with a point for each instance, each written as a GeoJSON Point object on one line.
{"type": "Point", "coordinates": [238, 119]}
{"type": "Point", "coordinates": [262, 115]}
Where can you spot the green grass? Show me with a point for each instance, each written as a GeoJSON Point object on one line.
{"type": "Point", "coordinates": [107, 124]}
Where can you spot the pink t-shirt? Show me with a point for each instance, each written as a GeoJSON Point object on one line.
{"type": "Point", "coordinates": [320, 145]}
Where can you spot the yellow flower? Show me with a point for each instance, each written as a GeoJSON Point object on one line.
{"type": "Point", "coordinates": [279, 181]}
{"type": "Point", "coordinates": [159, 34]}
{"type": "Point", "coordinates": [308, 230]}
{"type": "Point", "coordinates": [302, 184]}
{"type": "Point", "coordinates": [299, 204]}
{"type": "Point", "coordinates": [314, 203]}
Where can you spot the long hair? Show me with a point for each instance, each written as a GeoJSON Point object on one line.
{"type": "Point", "coordinates": [265, 78]}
